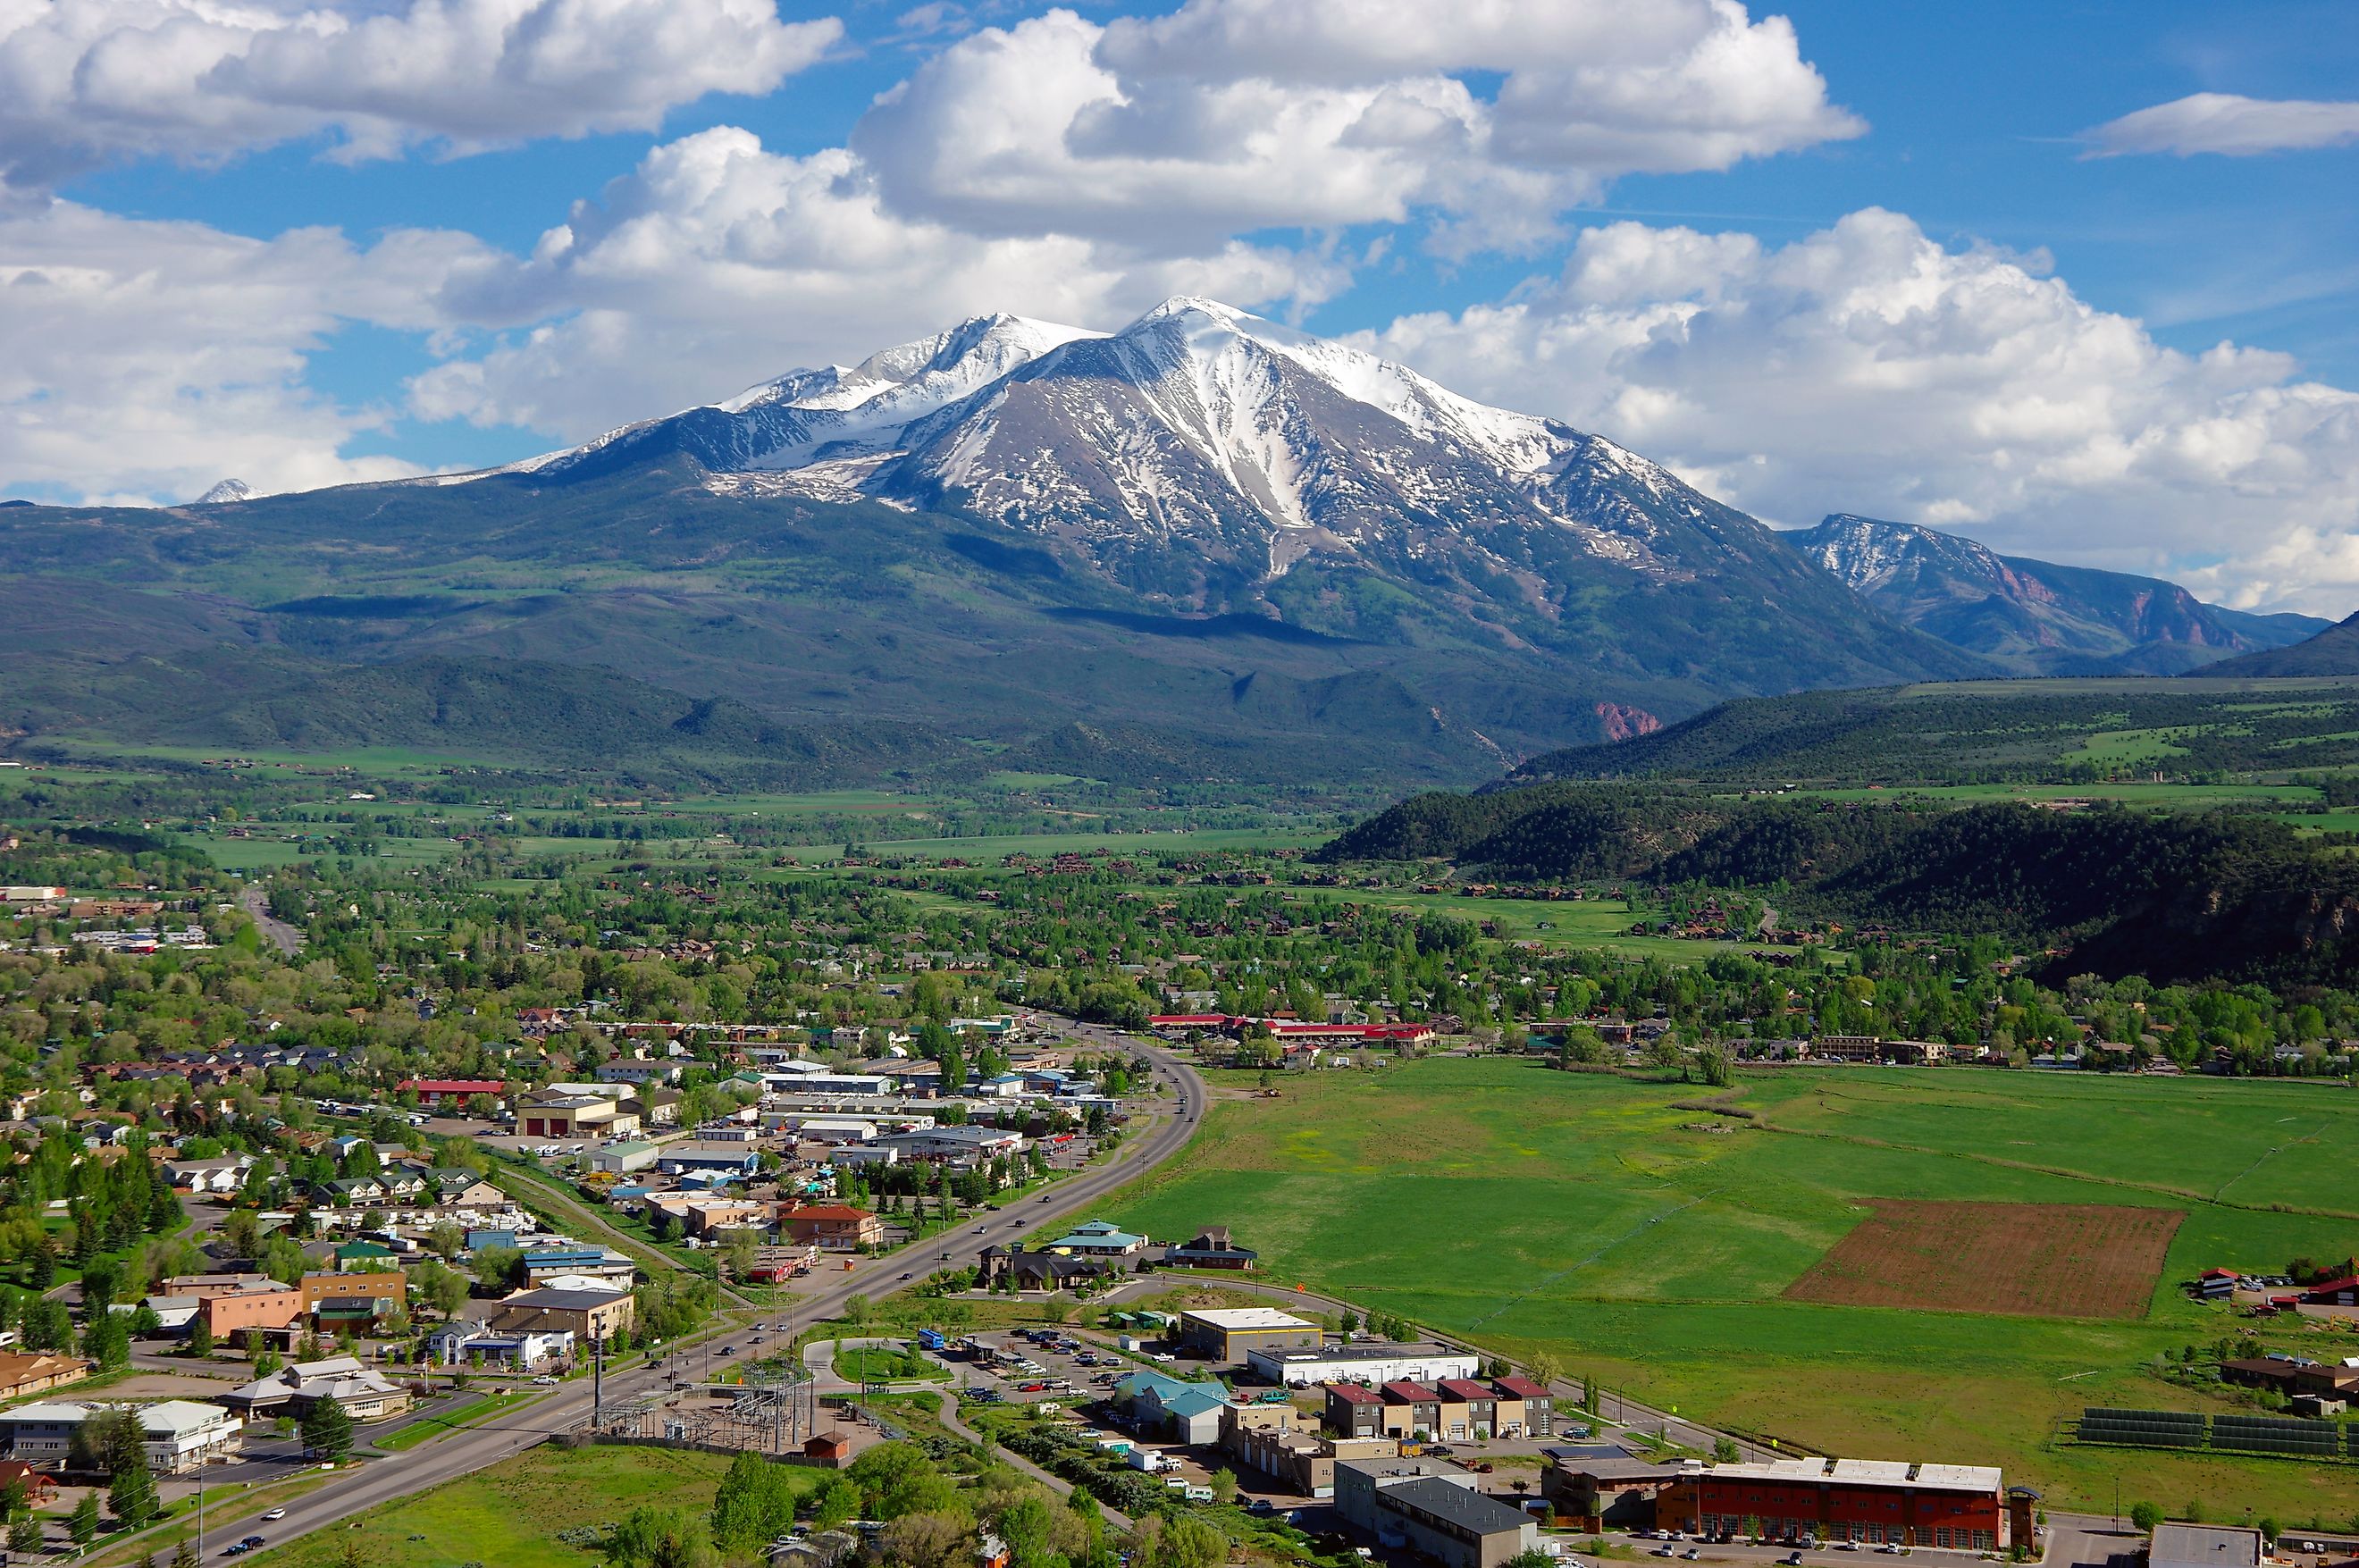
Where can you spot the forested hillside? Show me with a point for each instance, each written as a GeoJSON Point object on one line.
{"type": "Point", "coordinates": [2063, 732]}
{"type": "Point", "coordinates": [2172, 896]}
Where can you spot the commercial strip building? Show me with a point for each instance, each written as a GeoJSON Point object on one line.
{"type": "Point", "coordinates": [1959, 1507]}
{"type": "Point", "coordinates": [1432, 1508]}
{"type": "Point", "coordinates": [1371, 1362]}
{"type": "Point", "coordinates": [589, 1315]}
{"type": "Point", "coordinates": [39, 1372]}
{"type": "Point", "coordinates": [2204, 1546]}
{"type": "Point", "coordinates": [1227, 1335]}
{"type": "Point", "coordinates": [181, 1434]}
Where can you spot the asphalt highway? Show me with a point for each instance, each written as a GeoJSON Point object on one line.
{"type": "Point", "coordinates": [366, 1485]}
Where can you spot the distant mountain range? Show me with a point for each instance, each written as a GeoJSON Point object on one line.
{"type": "Point", "coordinates": [2335, 651]}
{"type": "Point", "coordinates": [1206, 546]}
{"type": "Point", "coordinates": [2033, 616]}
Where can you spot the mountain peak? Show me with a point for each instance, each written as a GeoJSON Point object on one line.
{"type": "Point", "coordinates": [227, 490]}
{"type": "Point", "coordinates": [2033, 615]}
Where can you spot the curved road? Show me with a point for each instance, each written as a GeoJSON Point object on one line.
{"type": "Point", "coordinates": [382, 1481]}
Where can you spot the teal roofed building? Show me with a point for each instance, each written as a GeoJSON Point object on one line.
{"type": "Point", "coordinates": [1098, 1238]}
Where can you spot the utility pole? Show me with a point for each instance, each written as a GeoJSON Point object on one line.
{"type": "Point", "coordinates": [597, 1380]}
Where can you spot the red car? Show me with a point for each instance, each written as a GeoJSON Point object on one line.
{"type": "Point", "coordinates": [1031, 1388]}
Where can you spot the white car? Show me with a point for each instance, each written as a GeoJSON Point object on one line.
{"type": "Point", "coordinates": [544, 1381]}
{"type": "Point", "coordinates": [274, 1514]}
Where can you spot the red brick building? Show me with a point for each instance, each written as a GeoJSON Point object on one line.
{"type": "Point", "coordinates": [1959, 1507]}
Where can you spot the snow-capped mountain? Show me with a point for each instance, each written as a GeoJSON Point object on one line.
{"type": "Point", "coordinates": [1249, 443]}
{"type": "Point", "coordinates": [2035, 615]}
{"type": "Point", "coordinates": [226, 492]}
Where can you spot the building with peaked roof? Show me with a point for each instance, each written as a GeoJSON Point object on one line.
{"type": "Point", "coordinates": [22, 1374]}
{"type": "Point", "coordinates": [1097, 1238]}
{"type": "Point", "coordinates": [1211, 1249]}
{"type": "Point", "coordinates": [365, 1394]}
{"type": "Point", "coordinates": [837, 1226]}
{"type": "Point", "coordinates": [1171, 1407]}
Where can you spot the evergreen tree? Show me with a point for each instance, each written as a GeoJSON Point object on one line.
{"type": "Point", "coordinates": [83, 1523]}
{"type": "Point", "coordinates": [328, 1430]}
{"type": "Point", "coordinates": [132, 1496]}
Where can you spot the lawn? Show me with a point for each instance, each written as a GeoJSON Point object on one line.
{"type": "Point", "coordinates": [513, 1513]}
{"type": "Point", "coordinates": [882, 1364]}
{"type": "Point", "coordinates": [1587, 1216]}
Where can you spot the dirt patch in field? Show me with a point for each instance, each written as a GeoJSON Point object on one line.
{"type": "Point", "coordinates": [2041, 1260]}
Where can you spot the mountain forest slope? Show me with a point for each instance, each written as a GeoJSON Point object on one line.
{"type": "Point", "coordinates": [1204, 548]}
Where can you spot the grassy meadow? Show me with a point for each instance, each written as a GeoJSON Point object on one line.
{"type": "Point", "coordinates": [1579, 1213]}
{"type": "Point", "coordinates": [513, 1513]}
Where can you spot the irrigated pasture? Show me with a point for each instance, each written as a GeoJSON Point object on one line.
{"type": "Point", "coordinates": [2043, 1261]}
{"type": "Point", "coordinates": [1655, 1246]}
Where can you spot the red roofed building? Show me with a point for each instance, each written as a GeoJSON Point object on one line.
{"type": "Point", "coordinates": [1410, 1407]}
{"type": "Point", "coordinates": [1354, 1410]}
{"type": "Point", "coordinates": [2342, 1292]}
{"type": "Point", "coordinates": [1523, 1409]}
{"type": "Point", "coordinates": [451, 1091]}
{"type": "Point", "coordinates": [835, 1225]}
{"type": "Point", "coordinates": [1468, 1409]}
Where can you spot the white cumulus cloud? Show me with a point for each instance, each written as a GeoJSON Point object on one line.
{"type": "Point", "coordinates": [83, 81]}
{"type": "Point", "coordinates": [716, 264]}
{"type": "Point", "coordinates": [2225, 122]}
{"type": "Point", "coordinates": [148, 360]}
{"type": "Point", "coordinates": [1867, 368]}
{"type": "Point", "coordinates": [1230, 116]}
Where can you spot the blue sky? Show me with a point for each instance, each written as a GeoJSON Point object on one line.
{"type": "Point", "coordinates": [2093, 287]}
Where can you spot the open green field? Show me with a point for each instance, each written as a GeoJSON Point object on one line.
{"type": "Point", "coordinates": [1579, 1213]}
{"type": "Point", "coordinates": [512, 1514]}
{"type": "Point", "coordinates": [2179, 796]}
{"type": "Point", "coordinates": [988, 849]}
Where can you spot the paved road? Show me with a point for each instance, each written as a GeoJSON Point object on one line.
{"type": "Point", "coordinates": [276, 932]}
{"type": "Point", "coordinates": [368, 1484]}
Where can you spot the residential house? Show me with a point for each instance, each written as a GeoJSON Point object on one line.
{"type": "Point", "coordinates": [1211, 1249]}
{"type": "Point", "coordinates": [627, 1069]}
{"type": "Point", "coordinates": [204, 1177]}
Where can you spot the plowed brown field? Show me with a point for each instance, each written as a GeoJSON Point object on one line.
{"type": "Point", "coordinates": [2046, 1260]}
